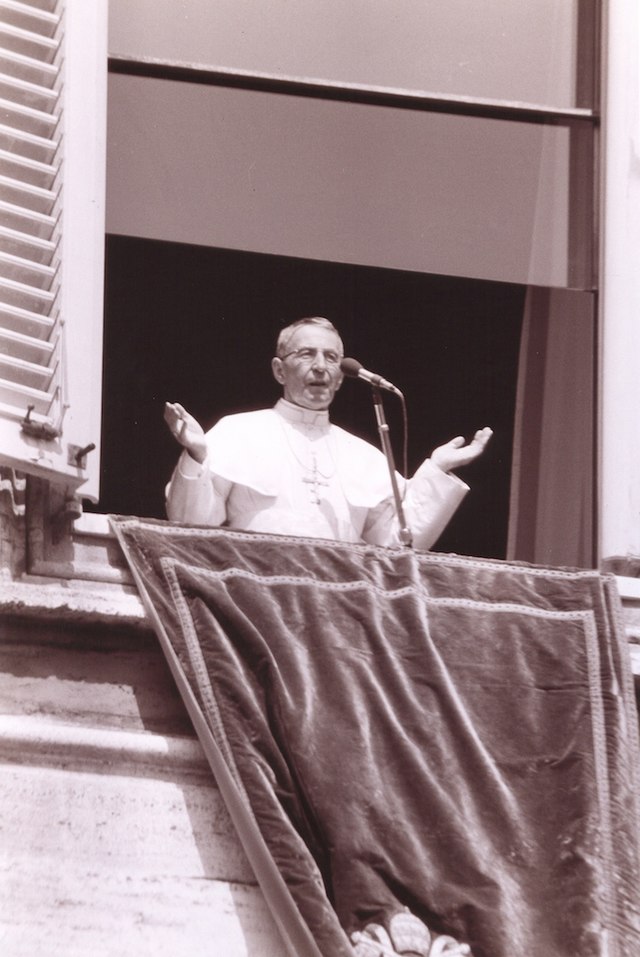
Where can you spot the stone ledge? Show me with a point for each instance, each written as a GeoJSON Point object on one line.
{"type": "Point", "coordinates": [29, 740]}
{"type": "Point", "coordinates": [89, 602]}
{"type": "Point", "coordinates": [76, 601]}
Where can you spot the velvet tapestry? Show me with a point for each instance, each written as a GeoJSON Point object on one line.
{"type": "Point", "coordinates": [399, 732]}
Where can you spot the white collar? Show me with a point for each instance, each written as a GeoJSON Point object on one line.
{"type": "Point", "coordinates": [297, 415]}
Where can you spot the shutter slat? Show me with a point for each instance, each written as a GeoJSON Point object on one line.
{"type": "Point", "coordinates": [25, 94]}
{"type": "Point", "coordinates": [18, 269]}
{"type": "Point", "coordinates": [19, 346]}
{"type": "Point", "coordinates": [27, 119]}
{"type": "Point", "coordinates": [31, 375]}
{"type": "Point", "coordinates": [17, 319]}
{"type": "Point", "coordinates": [27, 43]}
{"type": "Point", "coordinates": [27, 170]}
{"type": "Point", "coordinates": [21, 244]}
{"type": "Point", "coordinates": [17, 398]}
{"type": "Point", "coordinates": [28, 68]}
{"type": "Point", "coordinates": [29, 18]}
{"type": "Point", "coordinates": [50, 6]}
{"type": "Point", "coordinates": [28, 220]}
{"type": "Point", "coordinates": [39, 148]}
{"type": "Point", "coordinates": [26, 297]}
{"type": "Point", "coordinates": [30, 197]}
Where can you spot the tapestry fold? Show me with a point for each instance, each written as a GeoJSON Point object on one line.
{"type": "Point", "coordinates": [400, 732]}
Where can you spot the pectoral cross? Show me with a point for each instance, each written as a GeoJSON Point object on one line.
{"type": "Point", "coordinates": [315, 479]}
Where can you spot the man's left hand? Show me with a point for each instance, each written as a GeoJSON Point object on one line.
{"type": "Point", "coordinates": [455, 453]}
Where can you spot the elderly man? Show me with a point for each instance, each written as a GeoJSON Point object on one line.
{"type": "Point", "coordinates": [289, 470]}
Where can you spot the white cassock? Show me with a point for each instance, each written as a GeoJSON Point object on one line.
{"type": "Point", "coordinates": [289, 471]}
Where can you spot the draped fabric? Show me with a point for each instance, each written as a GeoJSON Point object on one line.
{"type": "Point", "coordinates": [551, 508]}
{"type": "Point", "coordinates": [411, 730]}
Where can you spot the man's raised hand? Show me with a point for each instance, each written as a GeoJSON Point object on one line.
{"type": "Point", "coordinates": [455, 453]}
{"type": "Point", "coordinates": [186, 430]}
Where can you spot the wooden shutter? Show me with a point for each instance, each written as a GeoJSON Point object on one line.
{"type": "Point", "coordinates": [52, 158]}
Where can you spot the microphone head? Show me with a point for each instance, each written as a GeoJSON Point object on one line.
{"type": "Point", "coordinates": [350, 367]}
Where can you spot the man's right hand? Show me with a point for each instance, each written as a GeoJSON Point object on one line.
{"type": "Point", "coordinates": [186, 430]}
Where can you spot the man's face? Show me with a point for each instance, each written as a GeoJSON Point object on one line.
{"type": "Point", "coordinates": [310, 370]}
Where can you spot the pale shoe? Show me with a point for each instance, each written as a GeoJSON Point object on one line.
{"type": "Point", "coordinates": [408, 936]}
{"type": "Point", "coordinates": [373, 941]}
{"type": "Point", "coordinates": [444, 946]}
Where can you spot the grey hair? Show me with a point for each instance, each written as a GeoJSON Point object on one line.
{"type": "Point", "coordinates": [286, 334]}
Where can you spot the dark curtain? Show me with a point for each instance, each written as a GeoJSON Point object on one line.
{"type": "Point", "coordinates": [412, 730]}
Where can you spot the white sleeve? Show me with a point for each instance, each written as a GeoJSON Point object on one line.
{"type": "Point", "coordinates": [432, 499]}
{"type": "Point", "coordinates": [195, 495]}
{"type": "Point", "coordinates": [430, 502]}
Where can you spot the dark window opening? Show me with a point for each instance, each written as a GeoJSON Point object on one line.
{"type": "Point", "coordinates": [198, 325]}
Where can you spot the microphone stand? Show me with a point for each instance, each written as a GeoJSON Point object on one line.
{"type": "Point", "coordinates": [385, 441]}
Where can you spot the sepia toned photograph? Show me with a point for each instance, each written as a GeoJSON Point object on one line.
{"type": "Point", "coordinates": [319, 457]}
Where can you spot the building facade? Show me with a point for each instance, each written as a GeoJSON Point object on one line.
{"type": "Point", "coordinates": [492, 145]}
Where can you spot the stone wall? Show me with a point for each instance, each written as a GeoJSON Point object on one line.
{"type": "Point", "coordinates": [114, 837]}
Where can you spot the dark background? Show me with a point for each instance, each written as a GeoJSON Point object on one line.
{"type": "Point", "coordinates": [198, 326]}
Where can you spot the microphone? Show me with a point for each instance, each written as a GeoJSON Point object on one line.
{"type": "Point", "coordinates": [351, 367]}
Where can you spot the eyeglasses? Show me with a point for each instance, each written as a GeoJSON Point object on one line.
{"type": "Point", "coordinates": [307, 356]}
